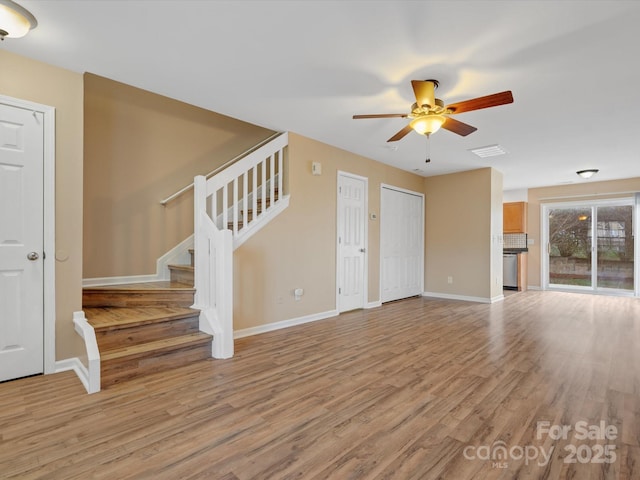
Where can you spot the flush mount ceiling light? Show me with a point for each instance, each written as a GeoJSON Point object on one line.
{"type": "Point", "coordinates": [15, 21]}
{"type": "Point", "coordinates": [587, 173]}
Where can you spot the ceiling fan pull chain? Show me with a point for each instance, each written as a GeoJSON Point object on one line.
{"type": "Point", "coordinates": [428, 149]}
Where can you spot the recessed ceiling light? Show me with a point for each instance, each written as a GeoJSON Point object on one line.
{"type": "Point", "coordinates": [489, 151]}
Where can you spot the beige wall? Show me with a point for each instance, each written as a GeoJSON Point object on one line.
{"type": "Point", "coordinates": [140, 148]}
{"type": "Point", "coordinates": [298, 248]}
{"type": "Point", "coordinates": [565, 193]}
{"type": "Point", "coordinates": [462, 221]}
{"type": "Point", "coordinates": [41, 83]}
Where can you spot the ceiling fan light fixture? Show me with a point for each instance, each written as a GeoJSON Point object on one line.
{"type": "Point", "coordinates": [15, 20]}
{"type": "Point", "coordinates": [428, 124]}
{"type": "Point", "coordinates": [587, 173]}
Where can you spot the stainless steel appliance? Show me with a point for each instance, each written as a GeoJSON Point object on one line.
{"type": "Point", "coordinates": [510, 270]}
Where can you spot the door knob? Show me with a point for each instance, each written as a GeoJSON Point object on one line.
{"type": "Point", "coordinates": [362, 250]}
{"type": "Point", "coordinates": [33, 256]}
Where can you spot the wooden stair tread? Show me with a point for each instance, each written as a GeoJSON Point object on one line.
{"type": "Point", "coordinates": [186, 268]}
{"type": "Point", "coordinates": [182, 273]}
{"type": "Point", "coordinates": [156, 347]}
{"type": "Point", "coordinates": [142, 287]}
{"type": "Point", "coordinates": [152, 294]}
{"type": "Point", "coordinates": [112, 318]}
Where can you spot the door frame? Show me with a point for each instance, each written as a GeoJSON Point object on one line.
{"type": "Point", "coordinates": [422, 231]}
{"type": "Point", "coordinates": [49, 222]}
{"type": "Point", "coordinates": [365, 269]}
{"type": "Point", "coordinates": [592, 203]}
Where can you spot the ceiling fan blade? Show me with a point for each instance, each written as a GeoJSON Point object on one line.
{"type": "Point", "coordinates": [424, 92]}
{"type": "Point", "coordinates": [400, 134]}
{"type": "Point", "coordinates": [458, 127]}
{"type": "Point", "coordinates": [382, 115]}
{"type": "Point", "coordinates": [494, 100]}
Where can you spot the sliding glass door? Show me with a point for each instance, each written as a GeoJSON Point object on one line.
{"type": "Point", "coordinates": [590, 246]}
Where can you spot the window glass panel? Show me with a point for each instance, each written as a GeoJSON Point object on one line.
{"type": "Point", "coordinates": [570, 246]}
{"type": "Point", "coordinates": [615, 247]}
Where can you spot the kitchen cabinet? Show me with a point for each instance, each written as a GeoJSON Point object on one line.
{"type": "Point", "coordinates": [522, 272]}
{"type": "Point", "coordinates": [514, 217]}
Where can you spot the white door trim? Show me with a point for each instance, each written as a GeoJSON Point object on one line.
{"type": "Point", "coordinates": [365, 289]}
{"type": "Point", "coordinates": [410, 192]}
{"type": "Point", "coordinates": [49, 238]}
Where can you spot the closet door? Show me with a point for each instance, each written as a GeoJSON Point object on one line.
{"type": "Point", "coordinates": [401, 243]}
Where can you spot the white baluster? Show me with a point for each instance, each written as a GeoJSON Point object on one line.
{"type": "Point", "coordinates": [280, 165]}
{"type": "Point", "coordinates": [255, 192]}
{"type": "Point", "coordinates": [225, 207]}
{"type": "Point", "coordinates": [264, 185]}
{"type": "Point", "coordinates": [272, 179]}
{"type": "Point", "coordinates": [235, 205]}
{"type": "Point", "coordinates": [245, 200]}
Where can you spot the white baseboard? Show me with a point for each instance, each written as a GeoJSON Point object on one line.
{"type": "Point", "coordinates": [77, 366]}
{"type": "Point", "coordinates": [465, 298]}
{"type": "Point", "coordinates": [534, 287]}
{"type": "Point", "coordinates": [375, 304]}
{"type": "Point", "coordinates": [247, 332]}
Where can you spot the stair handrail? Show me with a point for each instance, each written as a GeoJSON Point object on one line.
{"type": "Point", "coordinates": [235, 159]}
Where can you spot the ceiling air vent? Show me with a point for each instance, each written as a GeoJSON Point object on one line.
{"type": "Point", "coordinates": [489, 151]}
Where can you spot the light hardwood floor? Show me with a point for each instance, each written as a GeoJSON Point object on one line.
{"type": "Point", "coordinates": [406, 391]}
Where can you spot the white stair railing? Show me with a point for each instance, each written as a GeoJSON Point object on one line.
{"type": "Point", "coordinates": [229, 208]}
{"type": "Point", "coordinates": [242, 196]}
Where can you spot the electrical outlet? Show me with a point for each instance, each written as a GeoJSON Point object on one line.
{"type": "Point", "coordinates": [449, 280]}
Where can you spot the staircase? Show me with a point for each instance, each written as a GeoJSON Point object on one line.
{"type": "Point", "coordinates": [146, 327]}
{"type": "Point", "coordinates": [142, 328]}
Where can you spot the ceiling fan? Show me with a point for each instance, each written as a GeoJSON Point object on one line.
{"type": "Point", "coordinates": [428, 114]}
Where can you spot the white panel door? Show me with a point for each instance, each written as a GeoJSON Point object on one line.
{"type": "Point", "coordinates": [401, 244]}
{"type": "Point", "coordinates": [21, 243]}
{"type": "Point", "coordinates": [352, 217]}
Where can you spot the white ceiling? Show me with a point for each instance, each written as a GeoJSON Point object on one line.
{"type": "Point", "coordinates": [308, 66]}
